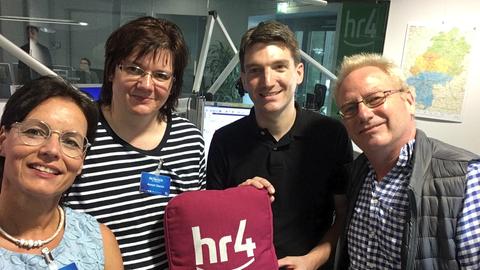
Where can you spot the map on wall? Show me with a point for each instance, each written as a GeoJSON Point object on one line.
{"type": "Point", "coordinates": [435, 62]}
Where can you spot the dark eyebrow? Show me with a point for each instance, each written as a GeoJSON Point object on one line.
{"type": "Point", "coordinates": [158, 70]}
{"type": "Point", "coordinates": [131, 63]}
{"type": "Point", "coordinates": [283, 62]}
{"type": "Point", "coordinates": [251, 65]}
{"type": "Point", "coordinates": [278, 62]}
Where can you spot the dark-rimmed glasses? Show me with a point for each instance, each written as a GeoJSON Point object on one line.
{"type": "Point", "coordinates": [135, 72]}
{"type": "Point", "coordinates": [372, 100]}
{"type": "Point", "coordinates": [35, 132]}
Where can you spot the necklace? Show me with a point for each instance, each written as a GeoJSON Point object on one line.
{"type": "Point", "coordinates": [28, 244]}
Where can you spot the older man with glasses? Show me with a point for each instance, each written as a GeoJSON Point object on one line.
{"type": "Point", "coordinates": [414, 202]}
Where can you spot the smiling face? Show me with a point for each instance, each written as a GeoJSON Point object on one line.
{"type": "Point", "coordinates": [141, 95]}
{"type": "Point", "coordinates": [271, 77]}
{"type": "Point", "coordinates": [44, 170]}
{"type": "Point", "coordinates": [383, 128]}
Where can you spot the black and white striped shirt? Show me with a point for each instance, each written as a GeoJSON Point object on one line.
{"type": "Point", "coordinates": [108, 188]}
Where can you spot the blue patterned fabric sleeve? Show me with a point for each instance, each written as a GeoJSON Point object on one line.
{"type": "Point", "coordinates": [81, 244]}
{"type": "Point", "coordinates": [468, 225]}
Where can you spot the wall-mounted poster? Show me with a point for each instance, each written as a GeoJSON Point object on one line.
{"type": "Point", "coordinates": [435, 61]}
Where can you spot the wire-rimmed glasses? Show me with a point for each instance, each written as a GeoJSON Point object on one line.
{"type": "Point", "coordinates": [35, 132]}
{"type": "Point", "coordinates": [372, 100]}
{"type": "Point", "coordinates": [135, 73]}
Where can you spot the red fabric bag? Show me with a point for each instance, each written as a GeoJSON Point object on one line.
{"type": "Point", "coordinates": [220, 229]}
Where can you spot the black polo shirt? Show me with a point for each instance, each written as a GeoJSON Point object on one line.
{"type": "Point", "coordinates": [306, 167]}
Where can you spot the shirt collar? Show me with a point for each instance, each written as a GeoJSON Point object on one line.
{"type": "Point", "coordinates": [302, 125]}
{"type": "Point", "coordinates": [406, 154]}
{"type": "Point", "coordinates": [299, 128]}
{"type": "Point", "coordinates": [404, 161]}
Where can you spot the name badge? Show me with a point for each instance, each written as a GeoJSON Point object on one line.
{"type": "Point", "coordinates": [71, 266]}
{"type": "Point", "coordinates": [155, 184]}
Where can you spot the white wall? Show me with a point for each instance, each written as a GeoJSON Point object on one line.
{"type": "Point", "coordinates": [403, 12]}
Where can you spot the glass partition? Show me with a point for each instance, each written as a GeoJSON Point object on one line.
{"type": "Point", "coordinates": [68, 36]}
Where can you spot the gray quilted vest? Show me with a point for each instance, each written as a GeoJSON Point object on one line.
{"type": "Point", "coordinates": [435, 195]}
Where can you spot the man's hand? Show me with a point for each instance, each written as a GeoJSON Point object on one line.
{"type": "Point", "coordinates": [260, 183]}
{"type": "Point", "coordinates": [297, 263]}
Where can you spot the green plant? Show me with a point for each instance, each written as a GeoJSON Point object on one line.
{"type": "Point", "coordinates": [219, 55]}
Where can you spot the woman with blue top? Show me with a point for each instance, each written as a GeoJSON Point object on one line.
{"type": "Point", "coordinates": [45, 131]}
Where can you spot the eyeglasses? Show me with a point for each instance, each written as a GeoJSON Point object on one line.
{"type": "Point", "coordinates": [373, 100]}
{"type": "Point", "coordinates": [135, 72]}
{"type": "Point", "coordinates": [34, 132]}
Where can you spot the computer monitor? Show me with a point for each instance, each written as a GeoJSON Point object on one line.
{"type": "Point", "coordinates": [61, 72]}
{"type": "Point", "coordinates": [93, 90]}
{"type": "Point", "coordinates": [217, 115]}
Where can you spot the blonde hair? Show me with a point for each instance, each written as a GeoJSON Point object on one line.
{"type": "Point", "coordinates": [356, 61]}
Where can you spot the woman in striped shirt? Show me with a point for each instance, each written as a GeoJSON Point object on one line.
{"type": "Point", "coordinates": [144, 153]}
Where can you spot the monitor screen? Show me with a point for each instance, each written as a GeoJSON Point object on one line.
{"type": "Point", "coordinates": [92, 90]}
{"type": "Point", "coordinates": [215, 117]}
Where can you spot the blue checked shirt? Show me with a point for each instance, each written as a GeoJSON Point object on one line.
{"type": "Point", "coordinates": [375, 232]}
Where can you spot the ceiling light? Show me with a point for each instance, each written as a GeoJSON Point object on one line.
{"type": "Point", "coordinates": [282, 7]}
{"type": "Point", "coordinates": [314, 2]}
{"type": "Point", "coordinates": [41, 20]}
{"type": "Point", "coordinates": [47, 30]}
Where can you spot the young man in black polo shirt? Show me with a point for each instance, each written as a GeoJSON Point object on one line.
{"type": "Point", "coordinates": [297, 155]}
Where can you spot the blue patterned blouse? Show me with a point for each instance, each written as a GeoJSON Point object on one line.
{"type": "Point", "coordinates": [81, 244]}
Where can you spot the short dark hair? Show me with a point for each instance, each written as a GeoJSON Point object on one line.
{"type": "Point", "coordinates": [141, 37]}
{"type": "Point", "coordinates": [269, 32]}
{"type": "Point", "coordinates": [86, 59]}
{"type": "Point", "coordinates": [34, 92]}
{"type": "Point", "coordinates": [30, 28]}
